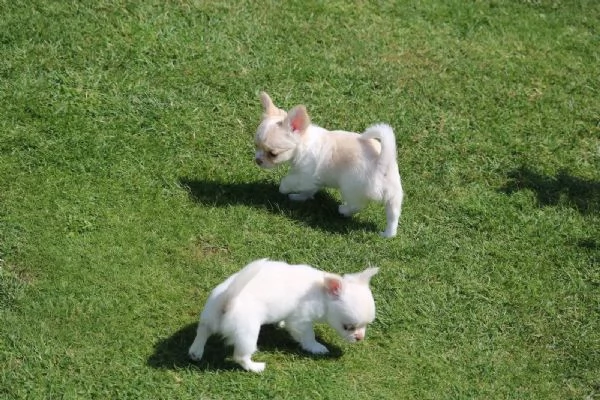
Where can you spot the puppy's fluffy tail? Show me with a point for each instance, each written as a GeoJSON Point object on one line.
{"type": "Point", "coordinates": [386, 136]}
{"type": "Point", "coordinates": [241, 280]}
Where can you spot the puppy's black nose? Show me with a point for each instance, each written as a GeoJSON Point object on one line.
{"type": "Point", "coordinates": [258, 161]}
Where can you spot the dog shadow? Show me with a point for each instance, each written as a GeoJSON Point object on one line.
{"type": "Point", "coordinates": [320, 212]}
{"type": "Point", "coordinates": [564, 188]}
{"type": "Point", "coordinates": [172, 352]}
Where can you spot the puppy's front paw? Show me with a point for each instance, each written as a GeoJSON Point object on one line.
{"type": "Point", "coordinates": [346, 210]}
{"type": "Point", "coordinates": [254, 366]}
{"type": "Point", "coordinates": [286, 187]}
{"type": "Point", "coordinates": [300, 196]}
{"type": "Point", "coordinates": [195, 354]}
{"type": "Point", "coordinates": [315, 348]}
{"type": "Point", "coordinates": [249, 365]}
{"type": "Point", "coordinates": [387, 234]}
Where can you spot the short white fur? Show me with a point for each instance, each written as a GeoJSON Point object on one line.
{"type": "Point", "coordinates": [295, 296]}
{"type": "Point", "coordinates": [363, 166]}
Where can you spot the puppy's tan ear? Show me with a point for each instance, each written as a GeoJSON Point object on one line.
{"type": "Point", "coordinates": [298, 119]}
{"type": "Point", "coordinates": [269, 108]}
{"type": "Point", "coordinates": [333, 285]}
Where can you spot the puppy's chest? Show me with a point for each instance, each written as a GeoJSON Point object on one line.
{"type": "Point", "coordinates": [327, 179]}
{"type": "Point", "coordinates": [301, 310]}
{"type": "Point", "coordinates": [320, 175]}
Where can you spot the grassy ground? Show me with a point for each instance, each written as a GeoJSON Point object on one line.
{"type": "Point", "coordinates": [128, 191]}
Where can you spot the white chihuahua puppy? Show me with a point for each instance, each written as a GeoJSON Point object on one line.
{"type": "Point", "coordinates": [363, 167]}
{"type": "Point", "coordinates": [295, 296]}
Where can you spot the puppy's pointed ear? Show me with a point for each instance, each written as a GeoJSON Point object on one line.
{"type": "Point", "coordinates": [333, 285]}
{"type": "Point", "coordinates": [363, 277]}
{"type": "Point", "coordinates": [269, 108]}
{"type": "Point", "coordinates": [298, 119]}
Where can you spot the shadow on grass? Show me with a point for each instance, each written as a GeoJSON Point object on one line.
{"type": "Point", "coordinates": [564, 188]}
{"type": "Point", "coordinates": [589, 244]}
{"type": "Point", "coordinates": [171, 352]}
{"type": "Point", "coordinates": [320, 212]}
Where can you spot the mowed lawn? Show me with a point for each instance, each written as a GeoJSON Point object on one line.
{"type": "Point", "coordinates": [128, 190]}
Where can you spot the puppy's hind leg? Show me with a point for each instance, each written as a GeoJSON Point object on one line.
{"type": "Point", "coordinates": [197, 348]}
{"type": "Point", "coordinates": [244, 343]}
{"type": "Point", "coordinates": [354, 201]}
{"type": "Point", "coordinates": [393, 208]}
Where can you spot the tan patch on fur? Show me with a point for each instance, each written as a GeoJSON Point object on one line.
{"type": "Point", "coordinates": [349, 149]}
{"type": "Point", "coordinates": [269, 109]}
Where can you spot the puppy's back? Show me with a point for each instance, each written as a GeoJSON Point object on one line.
{"type": "Point", "coordinates": [270, 290]}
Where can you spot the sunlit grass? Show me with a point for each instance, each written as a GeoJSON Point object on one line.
{"type": "Point", "coordinates": [129, 191]}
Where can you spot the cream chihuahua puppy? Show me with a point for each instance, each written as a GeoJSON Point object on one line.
{"type": "Point", "coordinates": [294, 296]}
{"type": "Point", "coordinates": [362, 166]}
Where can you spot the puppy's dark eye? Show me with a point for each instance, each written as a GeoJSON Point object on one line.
{"type": "Point", "coordinates": [349, 327]}
{"type": "Point", "coordinates": [272, 154]}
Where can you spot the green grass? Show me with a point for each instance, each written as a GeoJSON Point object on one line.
{"type": "Point", "coordinates": [128, 191]}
